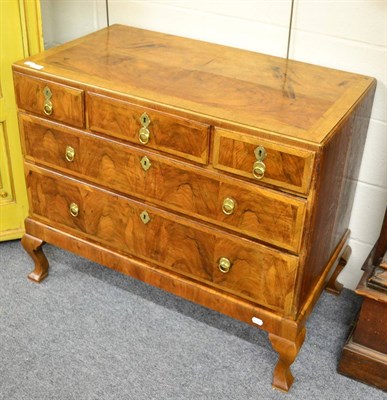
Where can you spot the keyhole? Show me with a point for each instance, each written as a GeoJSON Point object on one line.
{"type": "Point", "coordinates": [144, 217]}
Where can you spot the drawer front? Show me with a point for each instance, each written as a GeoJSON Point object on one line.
{"type": "Point", "coordinates": [284, 166]}
{"type": "Point", "coordinates": [257, 212]}
{"type": "Point", "coordinates": [174, 135]}
{"type": "Point", "coordinates": [258, 273]}
{"type": "Point", "coordinates": [49, 99]}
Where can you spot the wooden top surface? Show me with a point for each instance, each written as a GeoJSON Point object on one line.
{"type": "Point", "coordinates": [290, 98]}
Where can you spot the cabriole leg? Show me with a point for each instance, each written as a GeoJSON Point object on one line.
{"type": "Point", "coordinates": [33, 246]}
{"type": "Point", "coordinates": [287, 351]}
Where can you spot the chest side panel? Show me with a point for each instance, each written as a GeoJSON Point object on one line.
{"type": "Point", "coordinates": [337, 177]}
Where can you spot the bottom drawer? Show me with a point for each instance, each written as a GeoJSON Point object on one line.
{"type": "Point", "coordinates": [239, 266]}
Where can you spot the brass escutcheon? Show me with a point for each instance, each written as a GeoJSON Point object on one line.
{"type": "Point", "coordinates": [260, 153]}
{"type": "Point", "coordinates": [70, 154]}
{"type": "Point", "coordinates": [74, 209]}
{"type": "Point", "coordinates": [47, 93]}
{"type": "Point", "coordinates": [145, 163]}
{"type": "Point", "coordinates": [224, 265]}
{"type": "Point", "coordinates": [228, 205]}
{"type": "Point", "coordinates": [145, 120]}
{"type": "Point", "coordinates": [259, 169]}
{"type": "Point", "coordinates": [145, 218]}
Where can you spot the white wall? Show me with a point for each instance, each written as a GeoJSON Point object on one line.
{"type": "Point", "coordinates": [351, 35]}
{"type": "Point", "coordinates": [64, 20]}
{"type": "Point", "coordinates": [347, 34]}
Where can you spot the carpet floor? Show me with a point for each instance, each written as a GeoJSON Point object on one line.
{"type": "Point", "coordinates": [89, 333]}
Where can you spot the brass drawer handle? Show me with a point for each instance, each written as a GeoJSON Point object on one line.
{"type": "Point", "coordinates": [70, 154]}
{"type": "Point", "coordinates": [228, 206]}
{"type": "Point", "coordinates": [259, 169]}
{"type": "Point", "coordinates": [47, 108]}
{"type": "Point", "coordinates": [144, 135]}
{"type": "Point", "coordinates": [224, 265]}
{"type": "Point", "coordinates": [74, 209]}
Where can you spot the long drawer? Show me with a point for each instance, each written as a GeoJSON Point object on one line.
{"type": "Point", "coordinates": [235, 265]}
{"type": "Point", "coordinates": [255, 211]}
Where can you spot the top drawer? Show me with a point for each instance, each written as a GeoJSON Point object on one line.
{"type": "Point", "coordinates": [154, 129]}
{"type": "Point", "coordinates": [261, 160]}
{"type": "Point", "coordinates": [53, 100]}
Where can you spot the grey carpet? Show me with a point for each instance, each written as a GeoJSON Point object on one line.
{"type": "Point", "coordinates": [88, 332]}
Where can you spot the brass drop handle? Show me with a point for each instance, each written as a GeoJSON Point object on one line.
{"type": "Point", "coordinates": [144, 135]}
{"type": "Point", "coordinates": [224, 265]}
{"type": "Point", "coordinates": [47, 108]}
{"type": "Point", "coordinates": [74, 209]}
{"type": "Point", "coordinates": [70, 153]}
{"type": "Point", "coordinates": [259, 169]}
{"type": "Point", "coordinates": [228, 206]}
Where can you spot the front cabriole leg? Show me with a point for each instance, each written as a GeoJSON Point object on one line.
{"type": "Point", "coordinates": [287, 351]}
{"type": "Point", "coordinates": [33, 246]}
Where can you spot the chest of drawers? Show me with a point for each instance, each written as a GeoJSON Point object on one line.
{"type": "Point", "coordinates": [223, 176]}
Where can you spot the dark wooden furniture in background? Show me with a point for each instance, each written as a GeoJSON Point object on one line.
{"type": "Point", "coordinates": [221, 175]}
{"type": "Point", "coordinates": [364, 356]}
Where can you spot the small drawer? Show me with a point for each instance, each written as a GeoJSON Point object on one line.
{"type": "Point", "coordinates": [237, 266]}
{"type": "Point", "coordinates": [149, 128]}
{"type": "Point", "coordinates": [263, 161]}
{"type": "Point", "coordinates": [264, 214]}
{"type": "Point", "coordinates": [49, 99]}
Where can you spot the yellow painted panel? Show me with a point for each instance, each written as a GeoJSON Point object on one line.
{"type": "Point", "coordinates": [6, 189]}
{"type": "Point", "coordinates": [20, 36]}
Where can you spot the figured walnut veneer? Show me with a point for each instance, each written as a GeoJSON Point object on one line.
{"type": "Point", "coordinates": [169, 209]}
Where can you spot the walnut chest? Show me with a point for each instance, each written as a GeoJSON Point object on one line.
{"type": "Point", "coordinates": [221, 175]}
